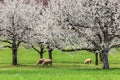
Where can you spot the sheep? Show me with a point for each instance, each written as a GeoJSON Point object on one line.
{"type": "Point", "coordinates": [87, 61]}
{"type": "Point", "coordinates": [46, 62]}
{"type": "Point", "coordinates": [40, 61]}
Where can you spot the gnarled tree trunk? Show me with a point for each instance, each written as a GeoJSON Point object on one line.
{"type": "Point", "coordinates": [104, 59]}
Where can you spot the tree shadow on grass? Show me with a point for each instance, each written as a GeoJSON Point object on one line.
{"type": "Point", "coordinates": [81, 67]}
{"type": "Point", "coordinates": [24, 66]}
{"type": "Point", "coordinates": [96, 69]}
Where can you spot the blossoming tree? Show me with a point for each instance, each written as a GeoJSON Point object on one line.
{"type": "Point", "coordinates": [97, 23]}
{"type": "Point", "coordinates": [15, 24]}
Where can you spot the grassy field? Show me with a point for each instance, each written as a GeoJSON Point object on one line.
{"type": "Point", "coordinates": [66, 66]}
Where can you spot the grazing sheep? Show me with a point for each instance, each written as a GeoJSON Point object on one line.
{"type": "Point", "coordinates": [46, 62]}
{"type": "Point", "coordinates": [87, 61]}
{"type": "Point", "coordinates": [40, 61]}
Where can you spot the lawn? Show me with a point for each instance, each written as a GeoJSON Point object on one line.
{"type": "Point", "coordinates": [66, 66]}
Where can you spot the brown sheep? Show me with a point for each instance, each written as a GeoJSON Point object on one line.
{"type": "Point", "coordinates": [87, 61]}
{"type": "Point", "coordinates": [40, 61]}
{"type": "Point", "coordinates": [46, 62]}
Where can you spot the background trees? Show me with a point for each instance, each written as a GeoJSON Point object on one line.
{"type": "Point", "coordinates": [91, 25]}
{"type": "Point", "coordinates": [95, 21]}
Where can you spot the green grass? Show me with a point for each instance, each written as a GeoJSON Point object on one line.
{"type": "Point", "coordinates": [66, 66]}
{"type": "Point", "coordinates": [53, 73]}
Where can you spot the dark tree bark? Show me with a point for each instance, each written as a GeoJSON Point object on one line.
{"type": "Point", "coordinates": [41, 51]}
{"type": "Point", "coordinates": [41, 54]}
{"type": "Point", "coordinates": [15, 45]}
{"type": "Point", "coordinates": [14, 51]}
{"type": "Point", "coordinates": [104, 59]}
{"type": "Point", "coordinates": [96, 58]}
{"type": "Point", "coordinates": [100, 56]}
{"type": "Point", "coordinates": [14, 57]}
{"type": "Point", "coordinates": [50, 55]}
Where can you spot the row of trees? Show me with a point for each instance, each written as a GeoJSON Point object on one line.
{"type": "Point", "coordinates": [68, 25]}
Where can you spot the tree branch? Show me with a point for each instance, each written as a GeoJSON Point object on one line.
{"type": "Point", "coordinates": [88, 49]}
{"type": "Point", "coordinates": [115, 46]}
{"type": "Point", "coordinates": [18, 43]}
{"type": "Point", "coordinates": [36, 49]}
{"type": "Point", "coordinates": [7, 31]}
{"type": "Point", "coordinates": [6, 41]}
{"type": "Point", "coordinates": [7, 47]}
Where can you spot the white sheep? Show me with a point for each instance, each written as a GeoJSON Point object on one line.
{"type": "Point", "coordinates": [88, 61]}
{"type": "Point", "coordinates": [46, 62]}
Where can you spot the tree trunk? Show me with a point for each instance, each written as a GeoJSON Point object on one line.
{"type": "Point", "coordinates": [50, 54]}
{"type": "Point", "coordinates": [104, 58]}
{"type": "Point", "coordinates": [105, 62]}
{"type": "Point", "coordinates": [96, 58]}
{"type": "Point", "coordinates": [14, 57]}
{"type": "Point", "coordinates": [41, 52]}
{"type": "Point", "coordinates": [100, 56]}
{"type": "Point", "coordinates": [41, 55]}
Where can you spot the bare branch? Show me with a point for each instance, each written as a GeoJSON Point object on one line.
{"type": "Point", "coordinates": [6, 41]}
{"type": "Point", "coordinates": [36, 49]}
{"type": "Point", "coordinates": [7, 47]}
{"type": "Point", "coordinates": [88, 49]}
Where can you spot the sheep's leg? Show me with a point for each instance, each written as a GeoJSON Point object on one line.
{"type": "Point", "coordinates": [51, 63]}
{"type": "Point", "coordinates": [42, 64]}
